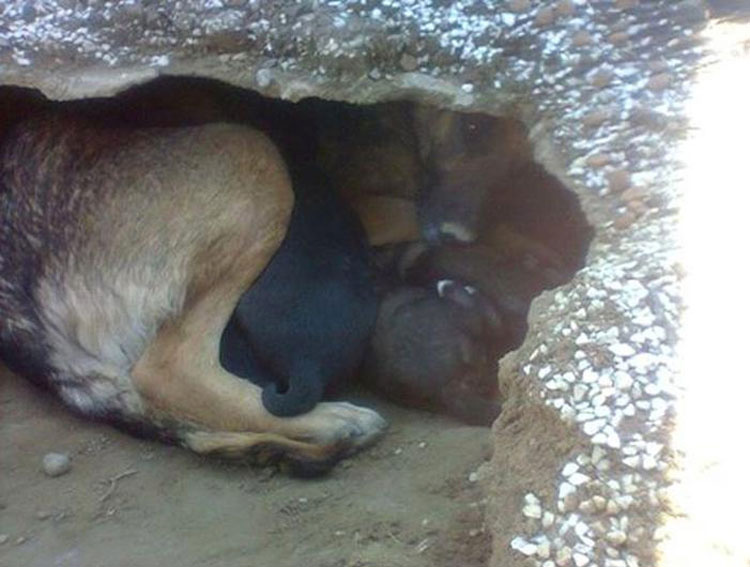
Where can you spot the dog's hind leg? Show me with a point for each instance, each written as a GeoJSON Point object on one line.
{"type": "Point", "coordinates": [181, 382]}
{"type": "Point", "coordinates": [179, 376]}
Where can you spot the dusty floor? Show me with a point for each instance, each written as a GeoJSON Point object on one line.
{"type": "Point", "coordinates": [406, 502]}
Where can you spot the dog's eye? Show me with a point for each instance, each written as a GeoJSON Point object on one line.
{"type": "Point", "coordinates": [476, 130]}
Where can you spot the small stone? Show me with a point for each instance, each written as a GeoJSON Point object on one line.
{"type": "Point", "coordinates": [532, 511]}
{"type": "Point", "coordinates": [4, 539]}
{"type": "Point", "coordinates": [632, 462]}
{"type": "Point", "coordinates": [623, 381]}
{"type": "Point", "coordinates": [20, 540]}
{"type": "Point", "coordinates": [625, 4]}
{"type": "Point", "coordinates": [597, 160]}
{"type": "Point", "coordinates": [375, 74]}
{"type": "Point", "coordinates": [595, 118]}
{"type": "Point", "coordinates": [658, 65]}
{"type": "Point", "coordinates": [581, 38]}
{"type": "Point", "coordinates": [523, 546]}
{"type": "Point", "coordinates": [519, 6]}
{"type": "Point", "coordinates": [43, 515]}
{"type": "Point", "coordinates": [579, 392]}
{"type": "Point", "coordinates": [618, 38]}
{"type": "Point", "coordinates": [548, 518]}
{"type": "Point", "coordinates": [612, 508]}
{"type": "Point", "coordinates": [637, 207]}
{"type": "Point", "coordinates": [28, 13]}
{"type": "Point", "coordinates": [649, 463]}
{"type": "Point", "coordinates": [633, 194]}
{"type": "Point", "coordinates": [565, 8]}
{"type": "Point", "coordinates": [563, 557]}
{"type": "Point", "coordinates": [545, 16]}
{"type": "Point", "coordinates": [543, 549]}
{"type": "Point", "coordinates": [592, 427]}
{"type": "Point", "coordinates": [625, 220]}
{"type": "Point", "coordinates": [659, 82]}
{"type": "Point", "coordinates": [602, 78]}
{"type": "Point", "coordinates": [600, 503]}
{"type": "Point", "coordinates": [263, 78]}
{"type": "Point", "coordinates": [624, 501]}
{"type": "Point", "coordinates": [618, 180]}
{"type": "Point", "coordinates": [580, 559]}
{"type": "Point", "coordinates": [56, 464]}
{"type": "Point", "coordinates": [473, 477]}
{"type": "Point", "coordinates": [568, 503]}
{"type": "Point", "coordinates": [578, 479]}
{"type": "Point", "coordinates": [631, 560]}
{"type": "Point", "coordinates": [597, 454]}
{"type": "Point", "coordinates": [467, 88]}
{"type": "Point", "coordinates": [622, 349]}
{"type": "Point", "coordinates": [408, 62]}
{"type": "Point", "coordinates": [616, 537]}
{"type": "Point", "coordinates": [587, 507]}
{"type": "Point", "coordinates": [569, 469]}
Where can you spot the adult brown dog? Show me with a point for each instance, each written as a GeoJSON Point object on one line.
{"type": "Point", "coordinates": [122, 255]}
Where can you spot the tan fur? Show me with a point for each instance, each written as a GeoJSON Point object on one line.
{"type": "Point", "coordinates": [387, 220]}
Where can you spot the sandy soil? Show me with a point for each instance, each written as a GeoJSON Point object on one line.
{"type": "Point", "coordinates": [407, 502]}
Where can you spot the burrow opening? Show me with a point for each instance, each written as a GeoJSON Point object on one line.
{"type": "Point", "coordinates": [465, 227]}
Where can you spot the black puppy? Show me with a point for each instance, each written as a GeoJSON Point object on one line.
{"type": "Point", "coordinates": [307, 319]}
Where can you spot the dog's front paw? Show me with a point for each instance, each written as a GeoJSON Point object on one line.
{"type": "Point", "coordinates": [339, 424]}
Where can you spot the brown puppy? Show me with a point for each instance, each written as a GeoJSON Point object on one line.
{"type": "Point", "coordinates": [122, 255]}
{"type": "Point", "coordinates": [428, 351]}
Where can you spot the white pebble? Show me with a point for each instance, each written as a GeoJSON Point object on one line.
{"type": "Point", "coordinates": [578, 479]}
{"type": "Point", "coordinates": [616, 537]}
{"type": "Point", "coordinates": [548, 519]}
{"type": "Point", "coordinates": [563, 556]}
{"type": "Point", "coordinates": [532, 511]}
{"type": "Point", "coordinates": [579, 392]}
{"type": "Point", "coordinates": [565, 489]}
{"type": "Point", "coordinates": [56, 464]}
{"type": "Point", "coordinates": [522, 545]}
{"type": "Point", "coordinates": [543, 549]}
{"type": "Point", "coordinates": [569, 469]}
{"type": "Point", "coordinates": [597, 454]}
{"type": "Point", "coordinates": [613, 440]}
{"type": "Point", "coordinates": [632, 462]}
{"type": "Point", "coordinates": [622, 349]}
{"type": "Point", "coordinates": [623, 380]}
{"type": "Point", "coordinates": [580, 559]}
{"type": "Point", "coordinates": [263, 78]}
{"type": "Point", "coordinates": [593, 426]}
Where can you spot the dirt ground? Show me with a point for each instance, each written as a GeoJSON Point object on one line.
{"type": "Point", "coordinates": [407, 502]}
